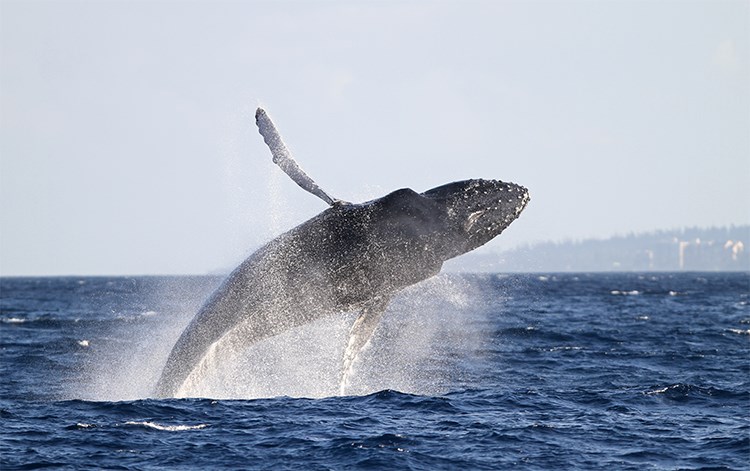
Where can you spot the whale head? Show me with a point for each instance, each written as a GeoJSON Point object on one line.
{"type": "Point", "coordinates": [476, 211]}
{"type": "Point", "coordinates": [446, 221]}
{"type": "Point", "coordinates": [386, 244]}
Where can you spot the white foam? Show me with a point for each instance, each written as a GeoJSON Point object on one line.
{"type": "Point", "coordinates": [662, 390]}
{"type": "Point", "coordinates": [13, 320]}
{"type": "Point", "coordinates": [168, 428]}
{"type": "Point", "coordinates": [563, 348]}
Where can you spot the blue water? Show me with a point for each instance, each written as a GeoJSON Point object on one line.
{"type": "Point", "coordinates": [565, 371]}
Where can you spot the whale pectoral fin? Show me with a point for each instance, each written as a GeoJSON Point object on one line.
{"type": "Point", "coordinates": [283, 158]}
{"type": "Point", "coordinates": [361, 333]}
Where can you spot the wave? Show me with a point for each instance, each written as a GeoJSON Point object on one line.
{"type": "Point", "coordinates": [685, 391]}
{"type": "Point", "coordinates": [144, 424]}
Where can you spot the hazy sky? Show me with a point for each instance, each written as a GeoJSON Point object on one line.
{"type": "Point", "coordinates": [128, 142]}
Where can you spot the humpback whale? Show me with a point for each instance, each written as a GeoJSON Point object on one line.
{"type": "Point", "coordinates": [352, 257]}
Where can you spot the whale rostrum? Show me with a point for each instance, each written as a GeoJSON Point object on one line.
{"type": "Point", "coordinates": [352, 257]}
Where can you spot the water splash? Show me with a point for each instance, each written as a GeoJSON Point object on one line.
{"type": "Point", "coordinates": [414, 350]}
{"type": "Point", "coordinates": [125, 358]}
{"type": "Point", "coordinates": [418, 347]}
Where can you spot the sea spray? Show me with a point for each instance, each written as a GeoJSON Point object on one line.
{"type": "Point", "coordinates": [415, 349]}
{"type": "Point", "coordinates": [301, 362]}
{"type": "Point", "coordinates": [421, 342]}
{"type": "Point", "coordinates": [126, 359]}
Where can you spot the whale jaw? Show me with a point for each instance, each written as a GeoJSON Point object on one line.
{"type": "Point", "coordinates": [479, 210]}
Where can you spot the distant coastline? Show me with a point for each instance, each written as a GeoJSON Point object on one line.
{"type": "Point", "coordinates": [687, 249]}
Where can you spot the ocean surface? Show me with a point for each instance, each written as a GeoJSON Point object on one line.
{"type": "Point", "coordinates": [543, 371]}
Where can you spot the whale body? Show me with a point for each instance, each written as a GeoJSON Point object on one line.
{"type": "Point", "coordinates": [350, 257]}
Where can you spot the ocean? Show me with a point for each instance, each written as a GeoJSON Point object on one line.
{"type": "Point", "coordinates": [521, 371]}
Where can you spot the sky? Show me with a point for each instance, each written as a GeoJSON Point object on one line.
{"type": "Point", "coordinates": [128, 143]}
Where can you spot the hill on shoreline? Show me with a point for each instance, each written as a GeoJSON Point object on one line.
{"type": "Point", "coordinates": [687, 249]}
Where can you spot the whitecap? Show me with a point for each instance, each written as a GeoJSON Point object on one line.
{"type": "Point", "coordinates": [167, 428]}
{"type": "Point", "coordinates": [83, 343]}
{"type": "Point", "coordinates": [625, 293]}
{"type": "Point", "coordinates": [13, 320]}
{"type": "Point", "coordinates": [740, 331]}
{"type": "Point", "coordinates": [563, 348]}
{"type": "Point", "coordinates": [661, 390]}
